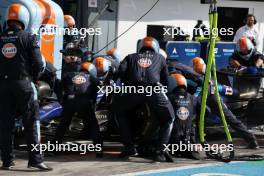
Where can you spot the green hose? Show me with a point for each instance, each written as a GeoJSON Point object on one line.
{"type": "Point", "coordinates": [211, 65]}
{"type": "Point", "coordinates": [207, 77]}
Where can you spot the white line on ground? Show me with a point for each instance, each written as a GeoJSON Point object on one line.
{"type": "Point", "coordinates": [174, 169]}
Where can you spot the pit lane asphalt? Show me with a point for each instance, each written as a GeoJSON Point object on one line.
{"type": "Point", "coordinates": [73, 164]}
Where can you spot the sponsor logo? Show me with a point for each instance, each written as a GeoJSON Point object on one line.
{"type": "Point", "coordinates": [47, 107]}
{"type": "Point", "coordinates": [79, 79]}
{"type": "Point", "coordinates": [216, 50]}
{"type": "Point", "coordinates": [13, 15]}
{"type": "Point", "coordinates": [144, 62]}
{"type": "Point", "coordinates": [174, 51]}
{"type": "Point", "coordinates": [9, 50]}
{"type": "Point", "coordinates": [228, 50]}
{"type": "Point", "coordinates": [182, 113]}
{"type": "Point", "coordinates": [189, 50]}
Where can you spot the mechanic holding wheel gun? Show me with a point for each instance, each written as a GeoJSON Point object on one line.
{"type": "Point", "coordinates": [20, 64]}
{"type": "Point", "coordinates": [147, 68]}
{"type": "Point", "coordinates": [79, 95]}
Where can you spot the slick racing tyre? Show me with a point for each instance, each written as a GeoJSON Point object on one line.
{"type": "Point", "coordinates": [145, 125]}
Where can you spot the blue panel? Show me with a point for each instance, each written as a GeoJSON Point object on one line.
{"type": "Point", "coordinates": [224, 51]}
{"type": "Point", "coordinates": [183, 52]}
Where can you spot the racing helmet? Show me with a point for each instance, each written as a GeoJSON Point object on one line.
{"type": "Point", "coordinates": [149, 43]}
{"type": "Point", "coordinates": [18, 12]}
{"type": "Point", "coordinates": [245, 47]}
{"type": "Point", "coordinates": [115, 54]}
{"type": "Point", "coordinates": [69, 21]}
{"type": "Point", "coordinates": [163, 53]}
{"type": "Point", "coordinates": [177, 80]}
{"type": "Point", "coordinates": [102, 66]}
{"type": "Point", "coordinates": [89, 67]}
{"type": "Point", "coordinates": [198, 65]}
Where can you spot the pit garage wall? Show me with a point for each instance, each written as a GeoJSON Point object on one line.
{"type": "Point", "coordinates": [183, 13]}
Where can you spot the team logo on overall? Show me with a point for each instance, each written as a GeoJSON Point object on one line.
{"type": "Point", "coordinates": [79, 79]}
{"type": "Point", "coordinates": [182, 113]}
{"type": "Point", "coordinates": [9, 50]}
{"type": "Point", "coordinates": [144, 62]}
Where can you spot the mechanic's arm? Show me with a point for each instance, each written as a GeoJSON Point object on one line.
{"type": "Point", "coordinates": [114, 70]}
{"type": "Point", "coordinates": [189, 73]}
{"type": "Point", "coordinates": [122, 70]}
{"type": "Point", "coordinates": [259, 61]}
{"type": "Point", "coordinates": [36, 59]}
{"type": "Point", "coordinates": [234, 63]}
{"type": "Point", "coordinates": [164, 74]}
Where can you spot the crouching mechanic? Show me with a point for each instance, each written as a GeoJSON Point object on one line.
{"type": "Point", "coordinates": [20, 63]}
{"type": "Point", "coordinates": [107, 68]}
{"type": "Point", "coordinates": [79, 96]}
{"type": "Point", "coordinates": [246, 56]}
{"type": "Point", "coordinates": [115, 54]}
{"type": "Point", "coordinates": [199, 66]}
{"type": "Point", "coordinates": [184, 106]}
{"type": "Point", "coordinates": [146, 68]}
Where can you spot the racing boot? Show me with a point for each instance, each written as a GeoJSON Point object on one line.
{"type": "Point", "coordinates": [162, 156]}
{"type": "Point", "coordinates": [253, 145]}
{"type": "Point", "coordinates": [168, 157]}
{"type": "Point", "coordinates": [100, 154]}
{"type": "Point", "coordinates": [8, 165]}
{"type": "Point", "coordinates": [129, 150]}
{"type": "Point", "coordinates": [159, 156]}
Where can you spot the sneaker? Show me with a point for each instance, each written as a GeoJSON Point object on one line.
{"type": "Point", "coordinates": [41, 166]}
{"type": "Point", "coordinates": [8, 165]}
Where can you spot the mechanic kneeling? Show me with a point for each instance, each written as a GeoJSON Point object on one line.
{"type": "Point", "coordinates": [184, 106]}
{"type": "Point", "coordinates": [146, 68]}
{"type": "Point", "coordinates": [79, 95]}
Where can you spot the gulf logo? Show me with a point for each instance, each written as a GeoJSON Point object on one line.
{"type": "Point", "coordinates": [144, 62]}
{"type": "Point", "coordinates": [9, 50]}
{"type": "Point", "coordinates": [78, 79]}
{"type": "Point", "coordinates": [182, 113]}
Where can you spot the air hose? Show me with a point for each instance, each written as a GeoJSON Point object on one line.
{"type": "Point", "coordinates": [211, 66]}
